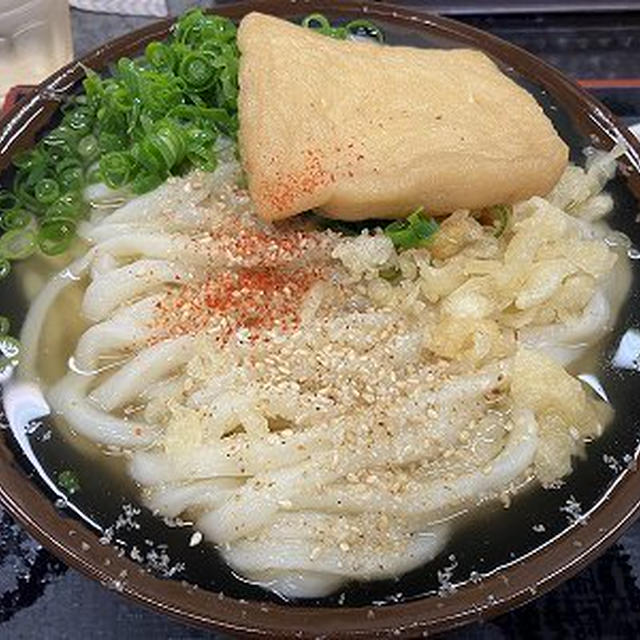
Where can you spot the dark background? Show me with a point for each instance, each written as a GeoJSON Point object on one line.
{"type": "Point", "coordinates": [597, 43]}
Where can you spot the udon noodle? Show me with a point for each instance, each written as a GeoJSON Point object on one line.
{"type": "Point", "coordinates": [321, 406]}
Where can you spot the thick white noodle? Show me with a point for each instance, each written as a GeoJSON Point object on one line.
{"type": "Point", "coordinates": [431, 500]}
{"type": "Point", "coordinates": [171, 501]}
{"type": "Point", "coordinates": [121, 285]}
{"type": "Point", "coordinates": [243, 456]}
{"type": "Point", "coordinates": [68, 397]}
{"type": "Point", "coordinates": [125, 330]}
{"type": "Point", "coordinates": [566, 341]}
{"type": "Point", "coordinates": [37, 316]}
{"type": "Point", "coordinates": [256, 503]}
{"type": "Point", "coordinates": [297, 554]}
{"type": "Point", "coordinates": [144, 243]}
{"type": "Point", "coordinates": [101, 233]}
{"type": "Point", "coordinates": [149, 366]}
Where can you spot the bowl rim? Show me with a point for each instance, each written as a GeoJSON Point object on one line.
{"type": "Point", "coordinates": [505, 589]}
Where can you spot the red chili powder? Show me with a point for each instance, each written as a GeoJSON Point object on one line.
{"type": "Point", "coordinates": [256, 247]}
{"type": "Point", "coordinates": [284, 191]}
{"type": "Point", "coordinates": [257, 299]}
{"type": "Point", "coordinates": [263, 293]}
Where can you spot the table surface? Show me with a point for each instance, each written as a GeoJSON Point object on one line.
{"type": "Point", "coordinates": [40, 597]}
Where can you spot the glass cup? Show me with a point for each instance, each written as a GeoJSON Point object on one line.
{"type": "Point", "coordinates": [35, 40]}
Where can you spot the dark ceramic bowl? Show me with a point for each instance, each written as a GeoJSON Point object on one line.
{"type": "Point", "coordinates": [516, 556]}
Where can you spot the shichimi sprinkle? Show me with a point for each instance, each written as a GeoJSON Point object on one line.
{"type": "Point", "coordinates": [262, 287]}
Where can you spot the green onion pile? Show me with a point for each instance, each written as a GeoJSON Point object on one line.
{"type": "Point", "coordinates": [155, 116]}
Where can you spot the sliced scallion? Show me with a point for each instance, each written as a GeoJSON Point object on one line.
{"type": "Point", "coordinates": [7, 200]}
{"type": "Point", "coordinates": [88, 147]}
{"type": "Point", "coordinates": [47, 191]}
{"type": "Point", "coordinates": [198, 71]}
{"type": "Point", "coordinates": [366, 27]}
{"type": "Point", "coordinates": [55, 235]}
{"type": "Point", "coordinates": [316, 21]}
{"type": "Point", "coordinates": [15, 219]}
{"type": "Point", "coordinates": [416, 230]}
{"type": "Point", "coordinates": [18, 244]}
{"type": "Point", "coordinates": [161, 56]}
{"type": "Point", "coordinates": [115, 168]}
{"type": "Point", "coordinates": [68, 480]}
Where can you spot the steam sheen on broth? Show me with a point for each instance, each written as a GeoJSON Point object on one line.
{"type": "Point", "coordinates": [320, 405]}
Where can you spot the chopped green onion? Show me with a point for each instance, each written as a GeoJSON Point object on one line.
{"type": "Point", "coordinates": [399, 232]}
{"type": "Point", "coordinates": [316, 21]}
{"type": "Point", "coordinates": [198, 71]}
{"type": "Point", "coordinates": [423, 228]}
{"type": "Point", "coordinates": [71, 179]}
{"type": "Point", "coordinates": [7, 200]}
{"type": "Point", "coordinates": [5, 268]}
{"type": "Point", "coordinates": [15, 219]}
{"type": "Point", "coordinates": [5, 325]}
{"type": "Point", "coordinates": [68, 163]}
{"type": "Point", "coordinates": [501, 215]}
{"type": "Point", "coordinates": [160, 56]}
{"type": "Point", "coordinates": [115, 168]}
{"type": "Point", "coordinates": [69, 481]}
{"type": "Point", "coordinates": [108, 141]}
{"type": "Point", "coordinates": [161, 150]}
{"type": "Point", "coordinates": [80, 120]}
{"type": "Point", "coordinates": [70, 205]}
{"type": "Point", "coordinates": [194, 28]}
{"type": "Point", "coordinates": [18, 244]}
{"type": "Point", "coordinates": [416, 231]}
{"type": "Point", "coordinates": [23, 159]}
{"type": "Point", "coordinates": [366, 27]}
{"type": "Point", "coordinates": [55, 235]}
{"type": "Point", "coordinates": [88, 147]}
{"type": "Point", "coordinates": [94, 175]}
{"type": "Point", "coordinates": [204, 158]}
{"type": "Point", "coordinates": [144, 182]}
{"type": "Point", "coordinates": [47, 191]}
{"type": "Point", "coordinates": [59, 137]}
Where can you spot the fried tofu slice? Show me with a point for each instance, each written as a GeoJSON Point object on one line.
{"type": "Point", "coordinates": [361, 130]}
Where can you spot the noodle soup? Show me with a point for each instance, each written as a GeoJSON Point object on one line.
{"type": "Point", "coordinates": [317, 406]}
{"type": "Point", "coordinates": [303, 410]}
